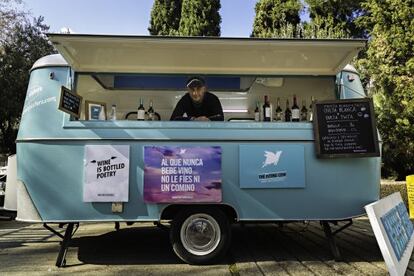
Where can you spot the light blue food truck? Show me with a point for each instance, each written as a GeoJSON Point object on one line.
{"type": "Point", "coordinates": [85, 155]}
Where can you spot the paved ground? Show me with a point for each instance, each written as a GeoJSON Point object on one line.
{"type": "Point", "coordinates": [143, 249]}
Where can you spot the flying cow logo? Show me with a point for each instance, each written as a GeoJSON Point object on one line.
{"type": "Point", "coordinates": [271, 158]}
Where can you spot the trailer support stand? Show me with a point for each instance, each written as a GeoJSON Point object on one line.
{"type": "Point", "coordinates": [61, 259]}
{"type": "Point", "coordinates": [331, 237]}
{"type": "Point", "coordinates": [66, 238]}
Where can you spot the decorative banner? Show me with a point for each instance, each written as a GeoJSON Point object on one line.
{"type": "Point", "coordinates": [410, 194]}
{"type": "Point", "coordinates": [182, 174]}
{"type": "Point", "coordinates": [393, 230]}
{"type": "Point", "coordinates": [106, 173]}
{"type": "Point", "coordinates": [272, 166]}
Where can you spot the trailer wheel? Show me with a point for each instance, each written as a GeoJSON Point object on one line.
{"type": "Point", "coordinates": [200, 236]}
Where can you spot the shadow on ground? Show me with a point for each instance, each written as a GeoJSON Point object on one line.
{"type": "Point", "coordinates": [250, 243]}
{"type": "Point", "coordinates": [132, 245]}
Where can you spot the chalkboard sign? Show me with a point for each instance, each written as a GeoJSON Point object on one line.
{"type": "Point", "coordinates": [70, 102]}
{"type": "Point", "coordinates": [345, 128]}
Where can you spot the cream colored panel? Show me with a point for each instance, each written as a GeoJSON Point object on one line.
{"type": "Point", "coordinates": [26, 210]}
{"type": "Point", "coordinates": [205, 55]}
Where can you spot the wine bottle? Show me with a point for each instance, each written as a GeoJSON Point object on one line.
{"type": "Point", "coordinates": [303, 111]}
{"type": "Point", "coordinates": [310, 111]}
{"type": "Point", "coordinates": [278, 112]}
{"type": "Point", "coordinates": [113, 113]}
{"type": "Point", "coordinates": [141, 111]}
{"type": "Point", "coordinates": [257, 112]}
{"type": "Point", "coordinates": [150, 112]}
{"type": "Point", "coordinates": [288, 113]}
{"type": "Point", "coordinates": [266, 109]}
{"type": "Point", "coordinates": [295, 110]}
{"type": "Point", "coordinates": [102, 115]}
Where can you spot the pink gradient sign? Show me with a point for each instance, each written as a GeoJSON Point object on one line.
{"type": "Point", "coordinates": [182, 174]}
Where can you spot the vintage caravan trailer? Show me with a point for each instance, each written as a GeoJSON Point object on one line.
{"type": "Point", "coordinates": [96, 162]}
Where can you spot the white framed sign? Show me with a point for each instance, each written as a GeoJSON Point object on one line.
{"type": "Point", "coordinates": [393, 230]}
{"type": "Point", "coordinates": [106, 173]}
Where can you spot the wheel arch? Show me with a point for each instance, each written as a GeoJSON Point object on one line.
{"type": "Point", "coordinates": [170, 211]}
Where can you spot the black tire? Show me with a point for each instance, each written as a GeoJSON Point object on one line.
{"type": "Point", "coordinates": [209, 246]}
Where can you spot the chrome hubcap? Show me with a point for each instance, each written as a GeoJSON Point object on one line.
{"type": "Point", "coordinates": [200, 234]}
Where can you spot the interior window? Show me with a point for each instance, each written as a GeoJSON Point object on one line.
{"type": "Point", "coordinates": [239, 95]}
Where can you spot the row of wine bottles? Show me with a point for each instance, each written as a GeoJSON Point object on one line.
{"type": "Point", "coordinates": [291, 113]}
{"type": "Point", "coordinates": [143, 115]}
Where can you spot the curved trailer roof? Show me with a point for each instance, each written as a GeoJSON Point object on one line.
{"type": "Point", "coordinates": [205, 55]}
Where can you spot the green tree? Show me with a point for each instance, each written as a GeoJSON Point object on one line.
{"type": "Point", "coordinates": [276, 18]}
{"type": "Point", "coordinates": [165, 17]}
{"type": "Point", "coordinates": [25, 44]}
{"type": "Point", "coordinates": [280, 19]}
{"type": "Point", "coordinates": [200, 18]}
{"type": "Point", "coordinates": [10, 14]}
{"type": "Point", "coordinates": [390, 65]}
{"type": "Point", "coordinates": [322, 27]}
{"type": "Point", "coordinates": [343, 13]}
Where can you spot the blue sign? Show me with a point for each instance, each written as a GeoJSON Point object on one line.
{"type": "Point", "coordinates": [399, 228]}
{"type": "Point", "coordinates": [272, 166]}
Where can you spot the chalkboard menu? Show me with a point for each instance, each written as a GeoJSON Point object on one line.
{"type": "Point", "coordinates": [70, 102]}
{"type": "Point", "coordinates": [345, 128]}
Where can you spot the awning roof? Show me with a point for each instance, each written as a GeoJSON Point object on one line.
{"type": "Point", "coordinates": [185, 55]}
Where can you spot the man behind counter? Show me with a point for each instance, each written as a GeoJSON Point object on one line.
{"type": "Point", "coordinates": [198, 104]}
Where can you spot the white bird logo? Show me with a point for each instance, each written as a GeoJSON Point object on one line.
{"type": "Point", "coordinates": [182, 151]}
{"type": "Point", "coordinates": [271, 158]}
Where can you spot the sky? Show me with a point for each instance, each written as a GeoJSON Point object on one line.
{"type": "Point", "coordinates": [129, 17]}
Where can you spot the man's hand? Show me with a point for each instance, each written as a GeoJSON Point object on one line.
{"type": "Point", "coordinates": [201, 118]}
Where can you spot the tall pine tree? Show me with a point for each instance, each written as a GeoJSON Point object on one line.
{"type": "Point", "coordinates": [342, 13]}
{"type": "Point", "coordinates": [273, 17]}
{"type": "Point", "coordinates": [323, 27]}
{"type": "Point", "coordinates": [165, 17]}
{"type": "Point", "coordinates": [200, 18]}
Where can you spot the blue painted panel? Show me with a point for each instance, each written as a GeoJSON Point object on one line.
{"type": "Point", "coordinates": [40, 115]}
{"type": "Point", "coordinates": [53, 174]}
{"type": "Point", "coordinates": [223, 83]}
{"type": "Point", "coordinates": [350, 86]}
{"type": "Point", "coordinates": [172, 82]}
{"type": "Point", "coordinates": [272, 166]}
{"type": "Point", "coordinates": [51, 150]}
{"type": "Point", "coordinates": [150, 82]}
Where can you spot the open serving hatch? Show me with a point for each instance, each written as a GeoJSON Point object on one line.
{"type": "Point", "coordinates": [185, 55]}
{"type": "Point", "coordinates": [122, 69]}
